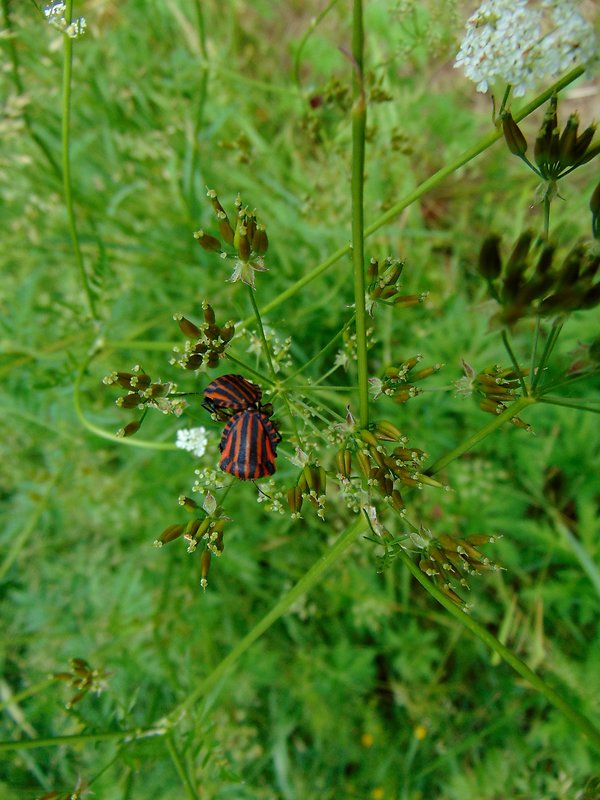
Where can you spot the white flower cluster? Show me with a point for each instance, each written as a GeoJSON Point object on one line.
{"type": "Point", "coordinates": [55, 14]}
{"type": "Point", "coordinates": [192, 439]}
{"type": "Point", "coordinates": [522, 43]}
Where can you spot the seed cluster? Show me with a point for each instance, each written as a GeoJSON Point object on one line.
{"type": "Point", "coordinates": [205, 343]}
{"type": "Point", "coordinates": [528, 283]}
{"type": "Point", "coordinates": [142, 393]}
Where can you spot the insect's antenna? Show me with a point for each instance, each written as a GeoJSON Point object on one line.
{"type": "Point", "coordinates": [264, 494]}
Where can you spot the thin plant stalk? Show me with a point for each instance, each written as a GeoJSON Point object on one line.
{"type": "Point", "coordinates": [359, 122]}
{"type": "Point", "coordinates": [66, 163]}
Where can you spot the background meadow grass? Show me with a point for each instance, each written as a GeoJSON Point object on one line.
{"type": "Point", "coordinates": [365, 688]}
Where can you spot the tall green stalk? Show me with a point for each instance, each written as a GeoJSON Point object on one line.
{"type": "Point", "coordinates": [359, 123]}
{"type": "Point", "coordinates": [66, 163]}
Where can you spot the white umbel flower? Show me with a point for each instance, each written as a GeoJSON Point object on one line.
{"type": "Point", "coordinates": [55, 14]}
{"type": "Point", "coordinates": [192, 439]}
{"type": "Point", "coordinates": [523, 43]}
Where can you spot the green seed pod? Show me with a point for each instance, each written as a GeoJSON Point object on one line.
{"type": "Point", "coordinates": [209, 314]}
{"type": "Point", "coordinates": [227, 332]}
{"type": "Point", "coordinates": [131, 400]}
{"type": "Point", "coordinates": [206, 241]}
{"type": "Point", "coordinates": [368, 437]}
{"type": "Point", "coordinates": [194, 361]}
{"type": "Point", "coordinates": [260, 240]}
{"type": "Point", "coordinates": [188, 328]}
{"type": "Point", "coordinates": [225, 229]}
{"type": "Point", "coordinates": [129, 429]}
{"type": "Point", "coordinates": [170, 534]}
{"type": "Point", "coordinates": [567, 142]}
{"type": "Point", "coordinates": [516, 142]}
{"type": "Point", "coordinates": [294, 498]}
{"type": "Point", "coordinates": [595, 209]}
{"type": "Point", "coordinates": [387, 432]}
{"type": "Point", "coordinates": [582, 144]}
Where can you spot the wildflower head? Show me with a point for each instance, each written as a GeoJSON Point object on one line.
{"type": "Point", "coordinates": [192, 439]}
{"type": "Point", "coordinates": [516, 42]}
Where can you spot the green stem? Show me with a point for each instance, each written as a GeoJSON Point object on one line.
{"type": "Point", "coordinates": [546, 216]}
{"type": "Point", "coordinates": [512, 411]}
{"type": "Point", "coordinates": [434, 180]}
{"type": "Point", "coordinates": [569, 403]}
{"type": "Point", "coordinates": [181, 770]}
{"type": "Point", "coordinates": [359, 123]}
{"type": "Point", "coordinates": [321, 352]}
{"type": "Point", "coordinates": [267, 352]}
{"type": "Point", "coordinates": [551, 695]}
{"type": "Point", "coordinates": [200, 105]}
{"type": "Point", "coordinates": [66, 162]}
{"type": "Point", "coordinates": [306, 582]}
{"type": "Point", "coordinates": [265, 344]}
{"type": "Point", "coordinates": [37, 688]}
{"type": "Point", "coordinates": [569, 380]}
{"type": "Point", "coordinates": [547, 352]}
{"type": "Point", "coordinates": [515, 363]}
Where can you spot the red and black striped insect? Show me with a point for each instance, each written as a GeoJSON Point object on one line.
{"type": "Point", "coordinates": [249, 445]}
{"type": "Point", "coordinates": [231, 393]}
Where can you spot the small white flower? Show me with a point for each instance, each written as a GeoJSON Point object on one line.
{"type": "Point", "coordinates": [517, 42]}
{"type": "Point", "coordinates": [55, 15]}
{"type": "Point", "coordinates": [192, 439]}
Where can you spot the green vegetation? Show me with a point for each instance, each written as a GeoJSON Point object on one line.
{"type": "Point", "coordinates": [408, 632]}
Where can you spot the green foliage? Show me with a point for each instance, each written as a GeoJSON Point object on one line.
{"type": "Point", "coordinates": [363, 687]}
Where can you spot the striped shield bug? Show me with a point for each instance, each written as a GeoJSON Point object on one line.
{"type": "Point", "coordinates": [231, 393]}
{"type": "Point", "coordinates": [249, 445]}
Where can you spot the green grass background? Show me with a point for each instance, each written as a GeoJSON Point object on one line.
{"type": "Point", "coordinates": [365, 689]}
